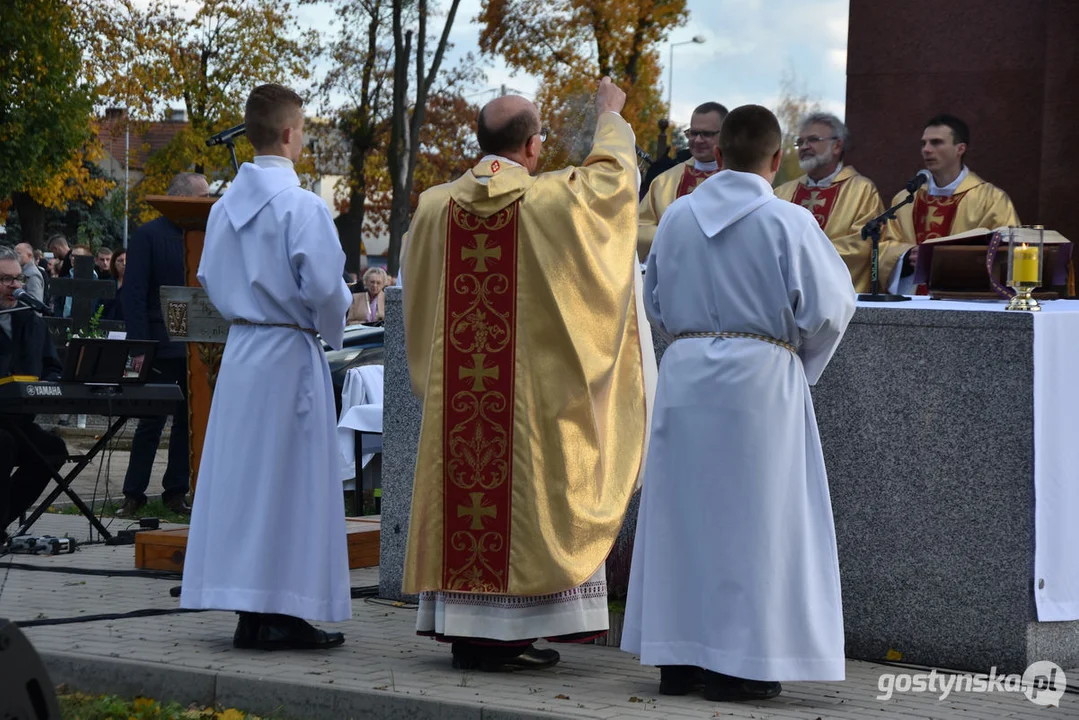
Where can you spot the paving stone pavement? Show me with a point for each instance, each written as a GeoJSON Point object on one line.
{"type": "Point", "coordinates": [384, 670]}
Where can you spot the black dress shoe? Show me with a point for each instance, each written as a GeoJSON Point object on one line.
{"type": "Point", "coordinates": [472, 657]}
{"type": "Point", "coordinates": [177, 504]}
{"type": "Point", "coordinates": [726, 688]}
{"type": "Point", "coordinates": [531, 659]}
{"type": "Point", "coordinates": [679, 679]}
{"type": "Point", "coordinates": [130, 508]}
{"type": "Point", "coordinates": [283, 632]}
{"type": "Point", "coordinates": [247, 630]}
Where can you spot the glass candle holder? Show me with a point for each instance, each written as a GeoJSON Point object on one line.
{"type": "Point", "coordinates": [1026, 258]}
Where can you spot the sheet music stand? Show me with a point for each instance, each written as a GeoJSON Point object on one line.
{"type": "Point", "coordinates": [92, 361]}
{"type": "Point", "coordinates": [109, 362]}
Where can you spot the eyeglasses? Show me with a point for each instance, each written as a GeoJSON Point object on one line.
{"type": "Point", "coordinates": [706, 134]}
{"type": "Point", "coordinates": [812, 140]}
{"type": "Point", "coordinates": [543, 134]}
{"type": "Point", "coordinates": [12, 279]}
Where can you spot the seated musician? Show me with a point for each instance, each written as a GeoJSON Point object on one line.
{"type": "Point", "coordinates": [25, 349]}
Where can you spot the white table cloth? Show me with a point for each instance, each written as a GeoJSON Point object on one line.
{"type": "Point", "coordinates": [361, 411]}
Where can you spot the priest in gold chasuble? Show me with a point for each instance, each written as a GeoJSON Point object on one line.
{"type": "Point", "coordinates": [969, 203]}
{"type": "Point", "coordinates": [841, 199]}
{"type": "Point", "coordinates": [523, 342]}
{"type": "Point", "coordinates": [955, 200]}
{"type": "Point", "coordinates": [683, 178]}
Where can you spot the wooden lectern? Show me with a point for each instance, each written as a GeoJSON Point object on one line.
{"type": "Point", "coordinates": [967, 266]}
{"type": "Point", "coordinates": [203, 359]}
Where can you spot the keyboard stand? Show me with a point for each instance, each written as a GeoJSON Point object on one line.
{"type": "Point", "coordinates": [63, 483]}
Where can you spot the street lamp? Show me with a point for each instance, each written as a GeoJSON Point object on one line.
{"type": "Point", "coordinates": [670, 68]}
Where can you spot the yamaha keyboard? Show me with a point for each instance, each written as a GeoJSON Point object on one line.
{"type": "Point", "coordinates": [111, 400]}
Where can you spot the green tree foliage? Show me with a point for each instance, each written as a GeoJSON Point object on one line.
{"type": "Point", "coordinates": [44, 107]}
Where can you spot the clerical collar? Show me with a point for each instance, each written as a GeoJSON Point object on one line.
{"type": "Point", "coordinates": [273, 161]}
{"type": "Point", "coordinates": [705, 166]}
{"type": "Point", "coordinates": [500, 159]}
{"type": "Point", "coordinates": [947, 190]}
{"type": "Point", "coordinates": [825, 181]}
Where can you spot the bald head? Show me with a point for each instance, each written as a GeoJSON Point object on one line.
{"type": "Point", "coordinates": [506, 124]}
{"type": "Point", "coordinates": [189, 184]}
{"type": "Point", "coordinates": [25, 252]}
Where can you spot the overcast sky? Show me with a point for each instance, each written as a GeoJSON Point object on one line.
{"type": "Point", "coordinates": [748, 45]}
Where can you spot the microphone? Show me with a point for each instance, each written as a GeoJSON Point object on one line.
{"type": "Point", "coordinates": [226, 136]}
{"type": "Point", "coordinates": [32, 302]}
{"type": "Point", "coordinates": [920, 179]}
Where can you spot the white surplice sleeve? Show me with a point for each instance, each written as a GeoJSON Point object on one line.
{"type": "Point", "coordinates": [651, 293]}
{"type": "Point", "coordinates": [822, 297]}
{"type": "Point", "coordinates": [651, 277]}
{"type": "Point", "coordinates": [319, 262]}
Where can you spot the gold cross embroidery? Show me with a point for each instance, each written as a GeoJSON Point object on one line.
{"type": "Point", "coordinates": [936, 217]}
{"type": "Point", "coordinates": [814, 201]}
{"type": "Point", "coordinates": [481, 253]}
{"type": "Point", "coordinates": [477, 372]}
{"type": "Point", "coordinates": [477, 512]}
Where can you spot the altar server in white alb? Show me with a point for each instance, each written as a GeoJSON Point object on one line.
{"type": "Point", "coordinates": [734, 585]}
{"type": "Point", "coordinates": [267, 528]}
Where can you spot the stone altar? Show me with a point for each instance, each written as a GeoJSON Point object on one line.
{"type": "Point", "coordinates": [926, 418]}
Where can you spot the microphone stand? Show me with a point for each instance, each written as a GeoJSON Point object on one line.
{"type": "Point", "coordinates": [228, 139]}
{"type": "Point", "coordinates": [872, 230]}
{"type": "Point", "coordinates": [231, 145]}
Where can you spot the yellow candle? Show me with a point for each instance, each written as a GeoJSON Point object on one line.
{"type": "Point", "coordinates": [1025, 265]}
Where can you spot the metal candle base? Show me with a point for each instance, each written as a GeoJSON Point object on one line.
{"type": "Point", "coordinates": [1023, 299]}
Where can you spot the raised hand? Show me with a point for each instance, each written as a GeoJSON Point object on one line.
{"type": "Point", "coordinates": [609, 97]}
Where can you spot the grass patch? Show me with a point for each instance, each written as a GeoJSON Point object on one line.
{"type": "Point", "coordinates": [80, 706]}
{"type": "Point", "coordinates": [154, 508]}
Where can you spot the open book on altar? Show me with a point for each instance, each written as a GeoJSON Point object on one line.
{"type": "Point", "coordinates": [965, 265]}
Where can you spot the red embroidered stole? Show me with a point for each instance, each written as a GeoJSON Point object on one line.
{"type": "Point", "coordinates": [933, 216]}
{"type": "Point", "coordinates": [478, 384]}
{"type": "Point", "coordinates": [691, 178]}
{"type": "Point", "coordinates": [819, 201]}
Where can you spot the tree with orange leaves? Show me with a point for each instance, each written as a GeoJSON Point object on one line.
{"type": "Point", "coordinates": [569, 45]}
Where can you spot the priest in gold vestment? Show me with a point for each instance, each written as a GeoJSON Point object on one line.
{"type": "Point", "coordinates": [955, 200]}
{"type": "Point", "coordinates": [683, 178]}
{"type": "Point", "coordinates": [523, 342]}
{"type": "Point", "coordinates": [841, 199]}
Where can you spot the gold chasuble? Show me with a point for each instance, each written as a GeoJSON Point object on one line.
{"type": "Point", "coordinates": [672, 184]}
{"type": "Point", "coordinates": [522, 338]}
{"type": "Point", "coordinates": [842, 209]}
{"type": "Point", "coordinates": [975, 204]}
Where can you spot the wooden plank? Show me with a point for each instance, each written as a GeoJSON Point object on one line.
{"type": "Point", "coordinates": [191, 317]}
{"type": "Point", "coordinates": [165, 549]}
{"type": "Point", "coordinates": [161, 550]}
{"type": "Point", "coordinates": [363, 544]}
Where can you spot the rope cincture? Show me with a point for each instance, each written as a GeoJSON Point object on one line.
{"type": "Point", "coordinates": [290, 326]}
{"type": "Point", "coordinates": [751, 336]}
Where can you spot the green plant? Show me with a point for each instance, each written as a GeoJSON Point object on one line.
{"type": "Point", "coordinates": [80, 706]}
{"type": "Point", "coordinates": [93, 327]}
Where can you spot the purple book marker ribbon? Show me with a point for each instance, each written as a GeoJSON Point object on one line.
{"type": "Point", "coordinates": [990, 255]}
